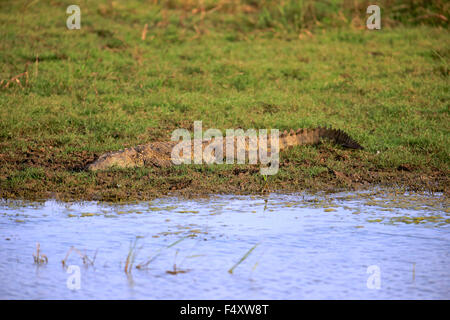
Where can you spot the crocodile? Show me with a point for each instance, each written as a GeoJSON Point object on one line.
{"type": "Point", "coordinates": [158, 154]}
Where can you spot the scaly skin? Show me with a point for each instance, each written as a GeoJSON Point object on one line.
{"type": "Point", "coordinates": [159, 153]}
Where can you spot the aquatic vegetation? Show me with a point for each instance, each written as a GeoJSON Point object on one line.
{"type": "Point", "coordinates": [419, 220]}
{"type": "Point", "coordinates": [245, 256]}
{"type": "Point", "coordinates": [132, 252]}
{"type": "Point", "coordinates": [87, 214]}
{"type": "Point", "coordinates": [166, 208]}
{"type": "Point", "coordinates": [86, 260]}
{"type": "Point", "coordinates": [176, 270]}
{"type": "Point", "coordinates": [145, 264]}
{"type": "Point", "coordinates": [39, 258]}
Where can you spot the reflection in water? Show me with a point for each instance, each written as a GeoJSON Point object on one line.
{"type": "Point", "coordinates": [302, 246]}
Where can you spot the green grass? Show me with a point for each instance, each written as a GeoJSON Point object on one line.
{"type": "Point", "coordinates": [103, 88]}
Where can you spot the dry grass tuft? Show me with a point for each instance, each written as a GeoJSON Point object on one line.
{"type": "Point", "coordinates": [39, 258]}
{"type": "Point", "coordinates": [83, 256]}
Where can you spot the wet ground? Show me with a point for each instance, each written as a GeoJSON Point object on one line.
{"type": "Point", "coordinates": [368, 245]}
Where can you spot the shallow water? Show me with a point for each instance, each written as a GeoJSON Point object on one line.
{"type": "Point", "coordinates": [367, 245]}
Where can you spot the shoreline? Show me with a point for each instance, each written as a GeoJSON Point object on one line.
{"type": "Point", "coordinates": [150, 183]}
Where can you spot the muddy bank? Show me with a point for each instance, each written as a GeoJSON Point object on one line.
{"type": "Point", "coordinates": [39, 174]}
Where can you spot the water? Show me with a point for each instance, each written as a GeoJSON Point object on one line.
{"type": "Point", "coordinates": [367, 245]}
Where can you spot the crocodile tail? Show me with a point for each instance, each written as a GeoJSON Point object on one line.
{"type": "Point", "coordinates": [339, 137]}
{"type": "Point", "coordinates": [314, 136]}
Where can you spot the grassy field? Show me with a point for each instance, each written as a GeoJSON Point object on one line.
{"type": "Point", "coordinates": [111, 85]}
